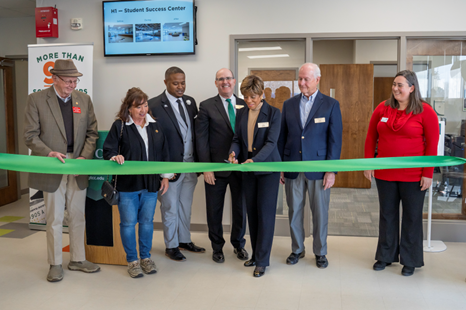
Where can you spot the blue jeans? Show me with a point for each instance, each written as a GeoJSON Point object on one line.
{"type": "Point", "coordinates": [137, 207]}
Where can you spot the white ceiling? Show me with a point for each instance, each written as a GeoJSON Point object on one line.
{"type": "Point", "coordinates": [17, 8]}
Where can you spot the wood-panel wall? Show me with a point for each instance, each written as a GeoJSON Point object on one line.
{"type": "Point", "coordinates": [382, 89]}
{"type": "Point", "coordinates": [354, 89]}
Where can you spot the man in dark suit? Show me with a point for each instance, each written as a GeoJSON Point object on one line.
{"type": "Point", "coordinates": [175, 112]}
{"type": "Point", "coordinates": [311, 130]}
{"type": "Point", "coordinates": [215, 125]}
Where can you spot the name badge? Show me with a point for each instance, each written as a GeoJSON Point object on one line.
{"type": "Point", "coordinates": [263, 125]}
{"type": "Point", "coordinates": [384, 119]}
{"type": "Point", "coordinates": [239, 106]}
{"type": "Point", "coordinates": [319, 120]}
{"type": "Point", "coordinates": [76, 110]}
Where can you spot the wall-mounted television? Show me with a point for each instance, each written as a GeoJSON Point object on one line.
{"type": "Point", "coordinates": [152, 27]}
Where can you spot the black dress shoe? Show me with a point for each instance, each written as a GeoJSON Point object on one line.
{"type": "Point", "coordinates": [321, 261]}
{"type": "Point", "coordinates": [380, 265]}
{"type": "Point", "coordinates": [250, 263]}
{"type": "Point", "coordinates": [259, 272]}
{"type": "Point", "coordinates": [241, 253]}
{"type": "Point", "coordinates": [191, 247]}
{"type": "Point", "coordinates": [218, 257]}
{"type": "Point", "coordinates": [407, 271]}
{"type": "Point", "coordinates": [175, 254]}
{"type": "Point", "coordinates": [294, 258]}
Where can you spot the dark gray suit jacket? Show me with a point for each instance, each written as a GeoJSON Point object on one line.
{"type": "Point", "coordinates": [213, 132]}
{"type": "Point", "coordinates": [165, 116]}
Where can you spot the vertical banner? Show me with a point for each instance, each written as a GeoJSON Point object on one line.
{"type": "Point", "coordinates": [41, 59]}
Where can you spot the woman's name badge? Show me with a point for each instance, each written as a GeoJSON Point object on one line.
{"type": "Point", "coordinates": [263, 125]}
{"type": "Point", "coordinates": [319, 120]}
{"type": "Point", "coordinates": [384, 119]}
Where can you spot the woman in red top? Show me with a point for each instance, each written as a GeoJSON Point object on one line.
{"type": "Point", "coordinates": [403, 125]}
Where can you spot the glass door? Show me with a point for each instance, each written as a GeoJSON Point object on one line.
{"type": "Point", "coordinates": [440, 66]}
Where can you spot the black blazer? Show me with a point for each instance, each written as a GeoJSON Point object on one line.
{"type": "Point", "coordinates": [264, 145]}
{"type": "Point", "coordinates": [213, 132]}
{"type": "Point", "coordinates": [132, 147]}
{"type": "Point", "coordinates": [165, 116]}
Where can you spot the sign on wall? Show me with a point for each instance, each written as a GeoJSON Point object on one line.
{"type": "Point", "coordinates": [41, 59]}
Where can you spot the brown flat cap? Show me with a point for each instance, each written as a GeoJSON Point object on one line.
{"type": "Point", "coordinates": [65, 67]}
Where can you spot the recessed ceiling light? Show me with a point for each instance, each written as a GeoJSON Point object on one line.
{"type": "Point", "coordinates": [250, 49]}
{"type": "Point", "coordinates": [269, 56]}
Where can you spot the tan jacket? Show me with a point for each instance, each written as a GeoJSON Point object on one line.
{"type": "Point", "coordinates": [44, 131]}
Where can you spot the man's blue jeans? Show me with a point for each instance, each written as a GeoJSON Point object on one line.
{"type": "Point", "coordinates": [137, 207]}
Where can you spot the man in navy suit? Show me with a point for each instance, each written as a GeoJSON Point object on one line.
{"type": "Point", "coordinates": [215, 126]}
{"type": "Point", "coordinates": [175, 112]}
{"type": "Point", "coordinates": [311, 129]}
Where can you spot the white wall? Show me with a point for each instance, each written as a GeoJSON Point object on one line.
{"type": "Point", "coordinates": [333, 52]}
{"type": "Point", "coordinates": [375, 50]}
{"type": "Point", "coordinates": [16, 34]}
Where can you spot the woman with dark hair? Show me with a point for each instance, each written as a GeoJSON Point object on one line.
{"type": "Point", "coordinates": [136, 136]}
{"type": "Point", "coordinates": [404, 125]}
{"type": "Point", "coordinates": [256, 134]}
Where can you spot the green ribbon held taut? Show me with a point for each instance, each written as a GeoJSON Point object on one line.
{"type": "Point", "coordinates": [51, 165]}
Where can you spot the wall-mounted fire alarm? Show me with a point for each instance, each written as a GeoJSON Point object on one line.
{"type": "Point", "coordinates": [76, 23]}
{"type": "Point", "coordinates": [46, 22]}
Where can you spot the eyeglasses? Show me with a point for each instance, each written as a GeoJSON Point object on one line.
{"type": "Point", "coordinates": [228, 78]}
{"type": "Point", "coordinates": [69, 82]}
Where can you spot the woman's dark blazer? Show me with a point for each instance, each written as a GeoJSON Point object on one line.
{"type": "Point", "coordinates": [133, 148]}
{"type": "Point", "coordinates": [266, 132]}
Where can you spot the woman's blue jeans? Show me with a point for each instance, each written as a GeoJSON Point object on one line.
{"type": "Point", "coordinates": [137, 207]}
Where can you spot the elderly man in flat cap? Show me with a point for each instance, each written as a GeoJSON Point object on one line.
{"type": "Point", "coordinates": [60, 122]}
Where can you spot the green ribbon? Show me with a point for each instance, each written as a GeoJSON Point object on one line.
{"type": "Point", "coordinates": [51, 165]}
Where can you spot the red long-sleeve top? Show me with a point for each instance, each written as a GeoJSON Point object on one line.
{"type": "Point", "coordinates": [400, 134]}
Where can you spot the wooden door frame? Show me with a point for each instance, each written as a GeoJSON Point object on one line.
{"type": "Point", "coordinates": [11, 192]}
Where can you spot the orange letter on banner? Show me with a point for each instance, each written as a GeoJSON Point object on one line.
{"type": "Point", "coordinates": [47, 66]}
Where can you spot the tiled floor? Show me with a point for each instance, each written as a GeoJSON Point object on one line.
{"type": "Point", "coordinates": [355, 212]}
{"type": "Point", "coordinates": [348, 283]}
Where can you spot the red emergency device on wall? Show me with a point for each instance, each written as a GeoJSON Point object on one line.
{"type": "Point", "coordinates": [46, 22]}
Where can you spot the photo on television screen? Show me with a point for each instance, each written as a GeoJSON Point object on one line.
{"type": "Point", "coordinates": [120, 33]}
{"type": "Point", "coordinates": [148, 32]}
{"type": "Point", "coordinates": [170, 24]}
{"type": "Point", "coordinates": [176, 32]}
